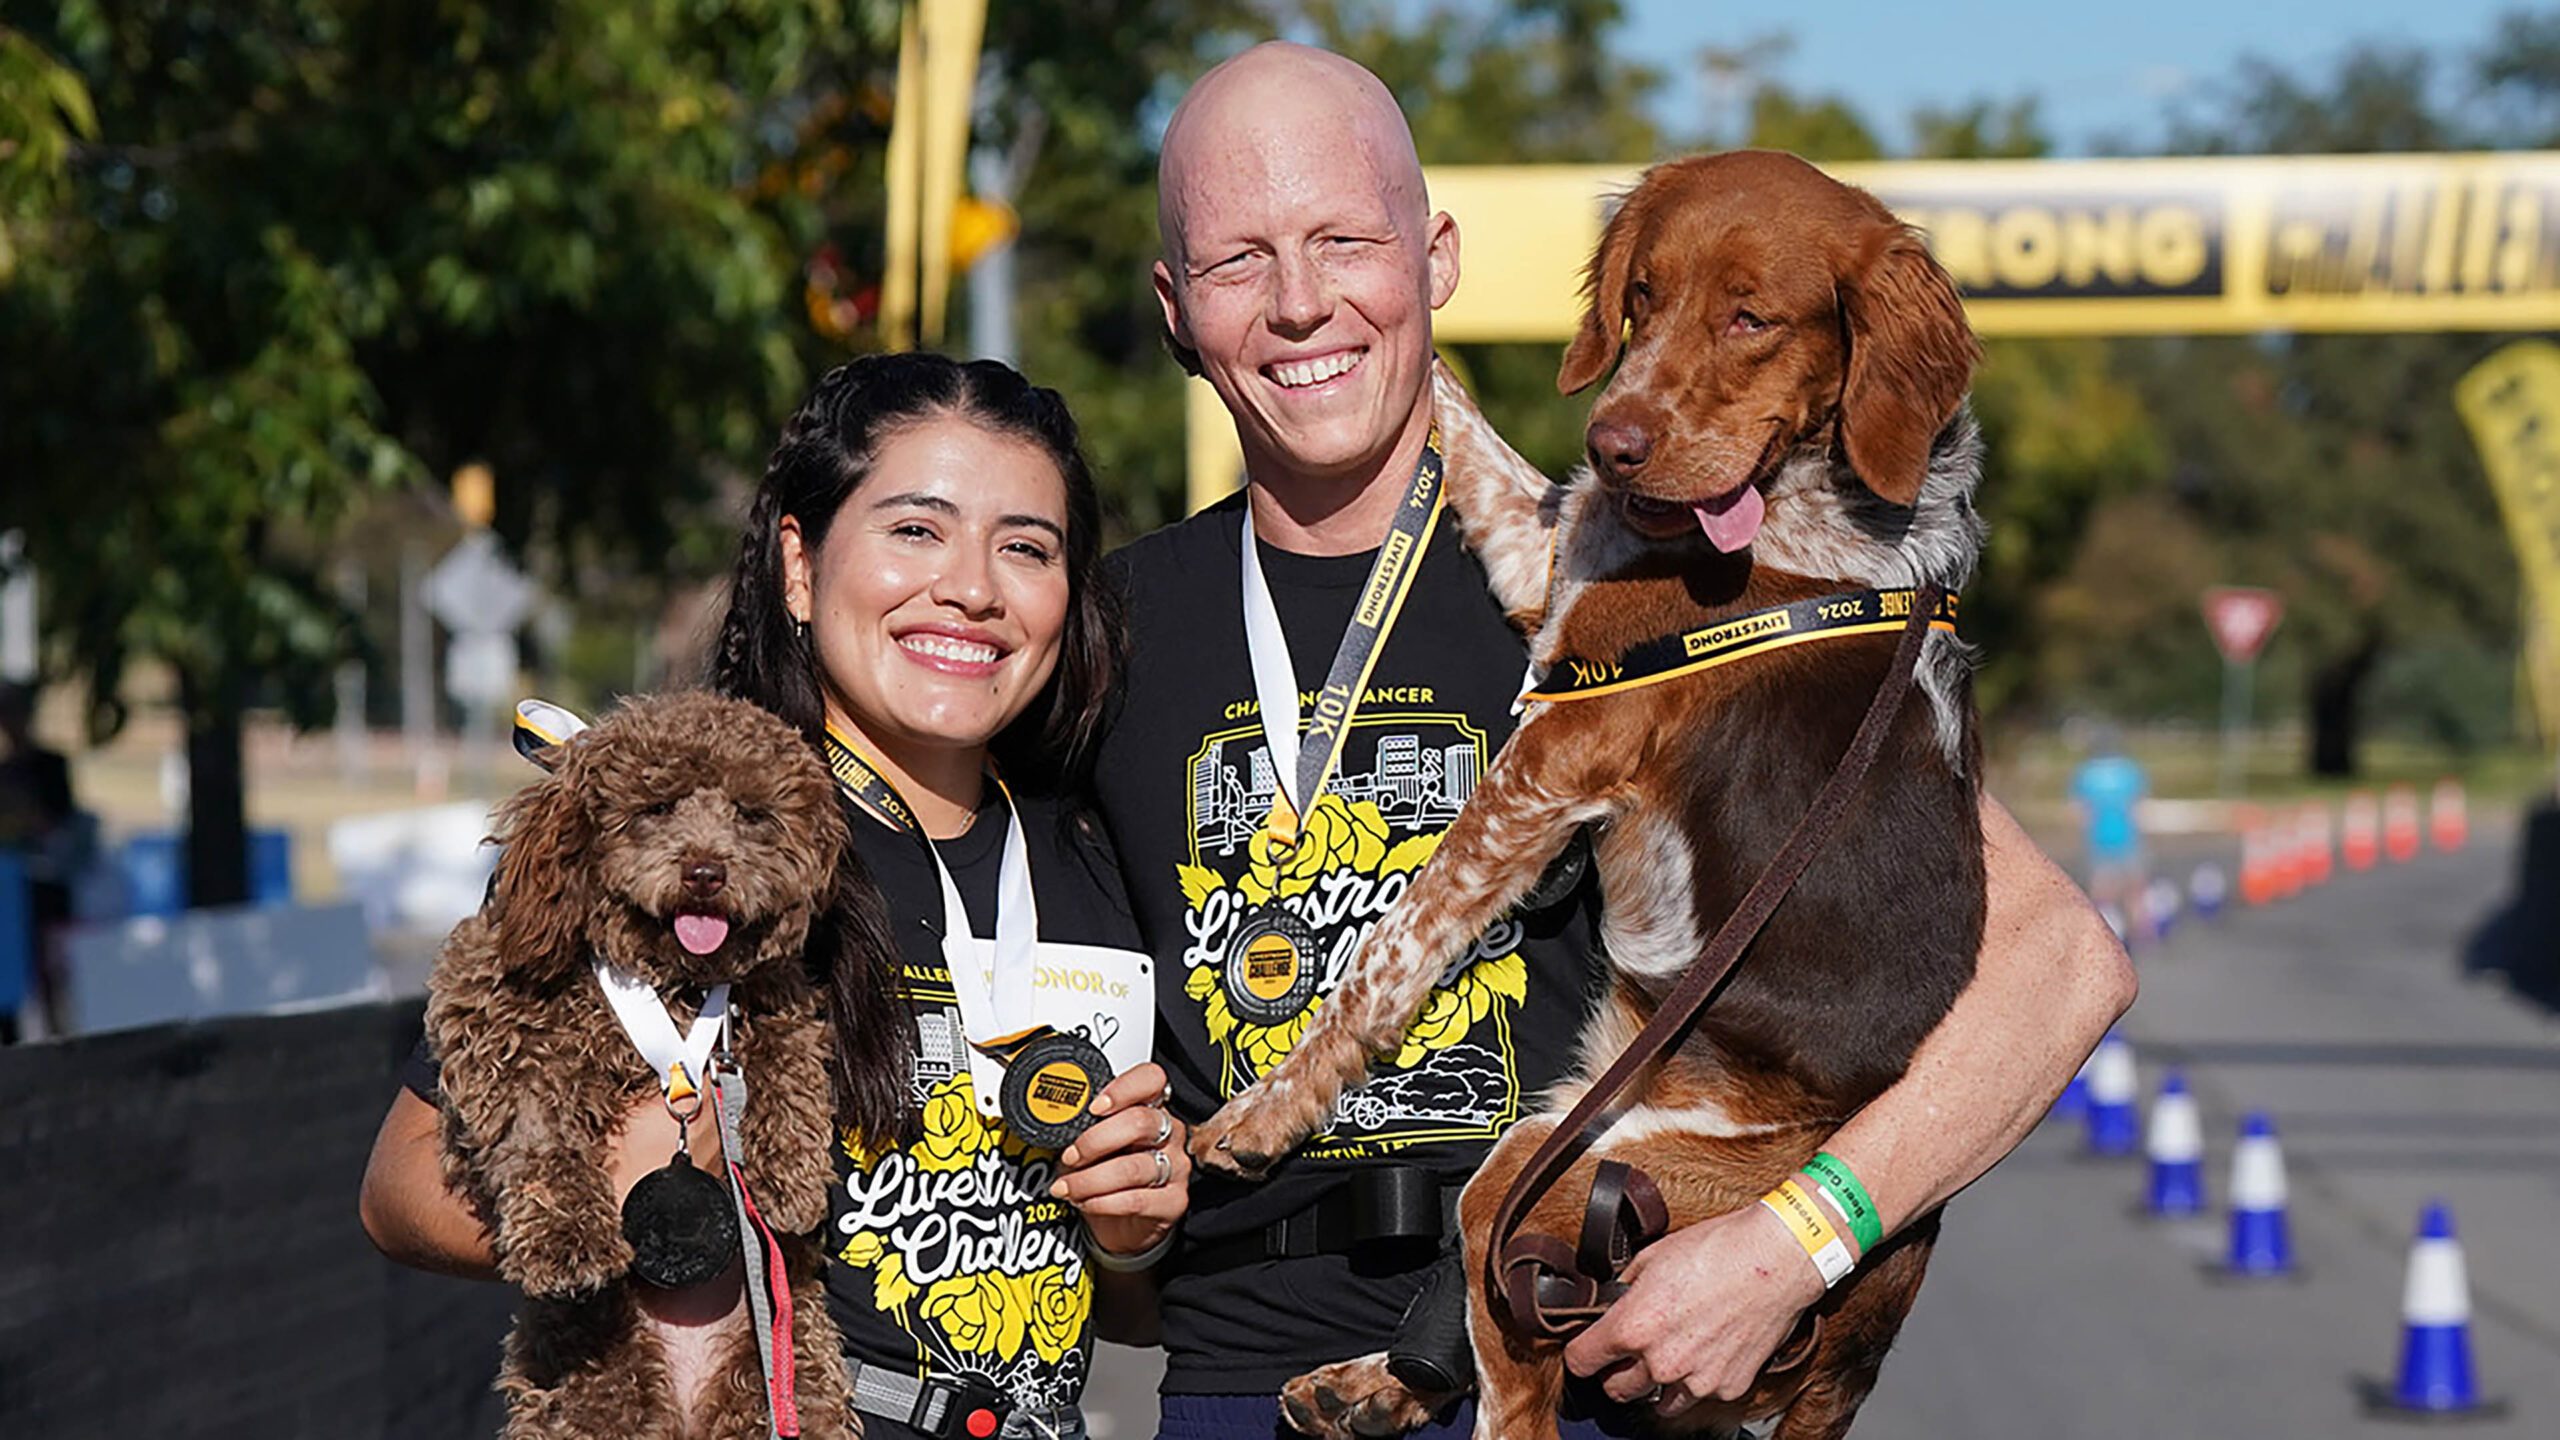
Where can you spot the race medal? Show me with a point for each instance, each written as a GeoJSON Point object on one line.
{"type": "Point", "coordinates": [681, 1226]}
{"type": "Point", "coordinates": [1271, 967]}
{"type": "Point", "coordinates": [1561, 878]}
{"type": "Point", "coordinates": [1050, 1080]}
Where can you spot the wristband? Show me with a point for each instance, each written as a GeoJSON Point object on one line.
{"type": "Point", "coordinates": [1839, 1185]}
{"type": "Point", "coordinates": [1812, 1229]}
{"type": "Point", "coordinates": [1129, 1264]}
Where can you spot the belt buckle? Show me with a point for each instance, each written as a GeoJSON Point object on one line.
{"type": "Point", "coordinates": [969, 1409]}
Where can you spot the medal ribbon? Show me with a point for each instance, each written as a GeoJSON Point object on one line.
{"type": "Point", "coordinates": [1668, 657]}
{"type": "Point", "coordinates": [1299, 772]}
{"type": "Point", "coordinates": [677, 1060]}
{"type": "Point", "coordinates": [993, 1003]}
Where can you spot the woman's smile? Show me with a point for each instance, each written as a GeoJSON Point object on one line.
{"type": "Point", "coordinates": [952, 649]}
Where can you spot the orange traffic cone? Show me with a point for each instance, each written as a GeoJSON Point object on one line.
{"type": "Point", "coordinates": [2312, 855]}
{"type": "Point", "coordinates": [2360, 831]}
{"type": "Point", "coordinates": [2447, 815]}
{"type": "Point", "coordinates": [2400, 823]}
{"type": "Point", "coordinates": [2257, 868]}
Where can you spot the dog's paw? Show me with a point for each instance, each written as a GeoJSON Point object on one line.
{"type": "Point", "coordinates": [551, 1259]}
{"type": "Point", "coordinates": [1247, 1136]}
{"type": "Point", "coordinates": [1355, 1400]}
{"type": "Point", "coordinates": [554, 1275]}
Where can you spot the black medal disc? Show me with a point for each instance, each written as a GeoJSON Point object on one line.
{"type": "Point", "coordinates": [680, 1225]}
{"type": "Point", "coordinates": [1271, 967]}
{"type": "Point", "coordinates": [1049, 1085]}
{"type": "Point", "coordinates": [1561, 878]}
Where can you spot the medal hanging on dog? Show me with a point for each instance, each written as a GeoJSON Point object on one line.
{"type": "Point", "coordinates": [995, 1001]}
{"type": "Point", "coordinates": [682, 1228]}
{"type": "Point", "coordinates": [1271, 968]}
{"type": "Point", "coordinates": [1050, 1079]}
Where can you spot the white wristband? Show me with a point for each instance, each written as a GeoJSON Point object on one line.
{"type": "Point", "coordinates": [1831, 1259]}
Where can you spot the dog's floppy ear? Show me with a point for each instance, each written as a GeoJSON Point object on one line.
{"type": "Point", "coordinates": [543, 891]}
{"type": "Point", "coordinates": [1911, 359]}
{"type": "Point", "coordinates": [1596, 345]}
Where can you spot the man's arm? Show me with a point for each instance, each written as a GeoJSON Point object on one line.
{"type": "Point", "coordinates": [1709, 1304]}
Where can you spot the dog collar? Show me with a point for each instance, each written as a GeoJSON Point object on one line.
{"type": "Point", "coordinates": [1668, 657]}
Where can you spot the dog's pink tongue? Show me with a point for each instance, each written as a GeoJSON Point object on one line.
{"type": "Point", "coordinates": [701, 934]}
{"type": "Point", "coordinates": [1730, 520]}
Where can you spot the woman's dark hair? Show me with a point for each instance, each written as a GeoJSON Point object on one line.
{"type": "Point", "coordinates": [763, 655]}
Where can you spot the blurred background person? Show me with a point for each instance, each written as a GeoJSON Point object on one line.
{"type": "Point", "coordinates": [48, 836]}
{"type": "Point", "coordinates": [2107, 789]}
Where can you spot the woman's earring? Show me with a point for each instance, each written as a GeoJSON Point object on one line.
{"type": "Point", "coordinates": [799, 629]}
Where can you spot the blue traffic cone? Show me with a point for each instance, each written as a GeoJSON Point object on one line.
{"type": "Point", "coordinates": [2073, 1102]}
{"type": "Point", "coordinates": [2115, 1122]}
{"type": "Point", "coordinates": [2207, 890]}
{"type": "Point", "coordinates": [2175, 1144]}
{"type": "Point", "coordinates": [2261, 1242]}
{"type": "Point", "coordinates": [2435, 1320]}
{"type": "Point", "coordinates": [2160, 909]}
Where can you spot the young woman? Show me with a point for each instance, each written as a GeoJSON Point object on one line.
{"type": "Point", "coordinates": [916, 592]}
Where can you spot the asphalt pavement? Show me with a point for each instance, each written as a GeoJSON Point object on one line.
{"type": "Point", "coordinates": [2053, 1311]}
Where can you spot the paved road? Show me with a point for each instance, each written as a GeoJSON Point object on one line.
{"type": "Point", "coordinates": [2053, 1313]}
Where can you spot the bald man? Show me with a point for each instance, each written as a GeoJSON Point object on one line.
{"type": "Point", "coordinates": [1301, 265]}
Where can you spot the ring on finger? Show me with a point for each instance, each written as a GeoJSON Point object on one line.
{"type": "Point", "coordinates": [1164, 1127]}
{"type": "Point", "coordinates": [1164, 1170]}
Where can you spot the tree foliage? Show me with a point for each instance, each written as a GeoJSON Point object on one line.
{"type": "Point", "coordinates": [314, 251]}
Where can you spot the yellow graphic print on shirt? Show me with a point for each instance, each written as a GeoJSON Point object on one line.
{"type": "Point", "coordinates": [1456, 1076]}
{"type": "Point", "coordinates": [967, 1252]}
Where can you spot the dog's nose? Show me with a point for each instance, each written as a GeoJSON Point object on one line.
{"type": "Point", "coordinates": [704, 878]}
{"type": "Point", "coordinates": [1619, 450]}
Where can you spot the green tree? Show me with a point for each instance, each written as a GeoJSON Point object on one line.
{"type": "Point", "coordinates": [2333, 467]}
{"type": "Point", "coordinates": [316, 250]}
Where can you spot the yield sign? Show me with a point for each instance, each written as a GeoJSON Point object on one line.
{"type": "Point", "coordinates": [2241, 619]}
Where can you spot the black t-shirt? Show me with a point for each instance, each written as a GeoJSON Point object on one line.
{"type": "Point", "coordinates": [948, 1254]}
{"type": "Point", "coordinates": [1185, 779]}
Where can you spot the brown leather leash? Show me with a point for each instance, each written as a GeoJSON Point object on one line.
{"type": "Point", "coordinates": [1540, 1288]}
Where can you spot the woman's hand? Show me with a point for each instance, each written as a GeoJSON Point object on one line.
{"type": "Point", "coordinates": [1128, 1175]}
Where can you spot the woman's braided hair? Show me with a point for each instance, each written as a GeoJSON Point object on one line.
{"type": "Point", "coordinates": [826, 449]}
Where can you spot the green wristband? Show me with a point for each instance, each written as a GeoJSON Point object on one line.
{"type": "Point", "coordinates": [1839, 1185]}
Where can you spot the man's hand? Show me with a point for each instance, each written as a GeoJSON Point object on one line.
{"type": "Point", "coordinates": [1706, 1307]}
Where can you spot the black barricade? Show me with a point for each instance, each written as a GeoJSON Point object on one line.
{"type": "Point", "coordinates": [179, 1249]}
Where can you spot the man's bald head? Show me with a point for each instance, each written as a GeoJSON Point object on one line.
{"type": "Point", "coordinates": [1301, 266]}
{"type": "Point", "coordinates": [1280, 94]}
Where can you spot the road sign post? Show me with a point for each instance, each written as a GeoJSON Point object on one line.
{"type": "Point", "coordinates": [2241, 618]}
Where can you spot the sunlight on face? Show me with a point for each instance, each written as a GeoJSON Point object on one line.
{"type": "Point", "coordinates": [937, 605]}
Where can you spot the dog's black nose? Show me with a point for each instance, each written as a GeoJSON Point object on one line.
{"type": "Point", "coordinates": [1619, 450]}
{"type": "Point", "coordinates": [704, 878]}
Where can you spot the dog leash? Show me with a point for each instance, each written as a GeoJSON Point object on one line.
{"type": "Point", "coordinates": [1515, 1268]}
{"type": "Point", "coordinates": [768, 1282]}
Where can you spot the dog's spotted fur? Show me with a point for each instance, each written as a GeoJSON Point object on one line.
{"type": "Point", "coordinates": [536, 1073]}
{"type": "Point", "coordinates": [1780, 331]}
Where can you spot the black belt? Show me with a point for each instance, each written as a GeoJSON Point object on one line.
{"type": "Point", "coordinates": [965, 1409]}
{"type": "Point", "coordinates": [1382, 1206]}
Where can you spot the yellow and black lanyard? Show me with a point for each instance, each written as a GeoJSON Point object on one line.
{"type": "Point", "coordinates": [1300, 769]}
{"type": "Point", "coordinates": [1668, 657]}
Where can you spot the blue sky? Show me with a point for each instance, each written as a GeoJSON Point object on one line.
{"type": "Point", "coordinates": [2098, 69]}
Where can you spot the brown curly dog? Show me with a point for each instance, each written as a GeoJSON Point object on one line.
{"type": "Point", "coordinates": [684, 805]}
